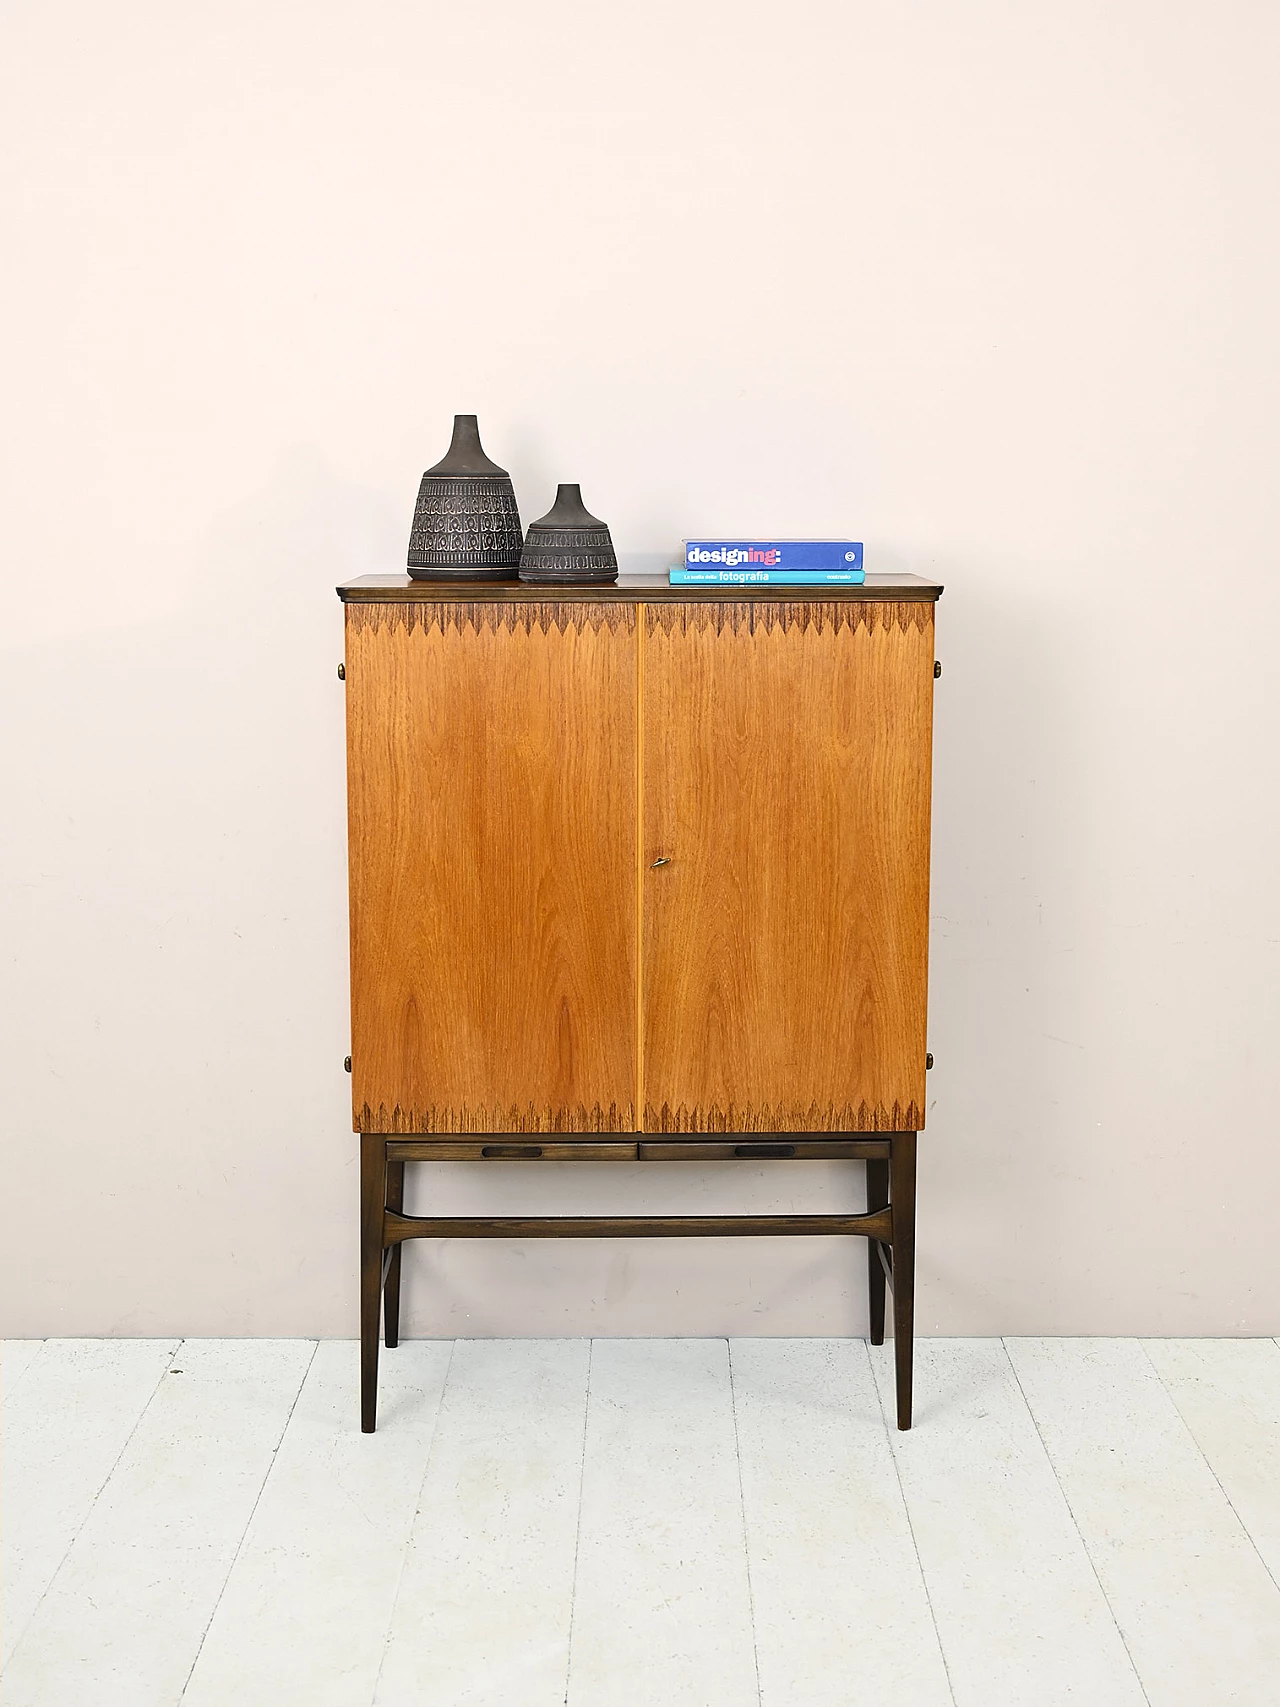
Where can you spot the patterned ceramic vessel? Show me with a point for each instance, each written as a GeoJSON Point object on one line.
{"type": "Point", "coordinates": [568, 544]}
{"type": "Point", "coordinates": [466, 525]}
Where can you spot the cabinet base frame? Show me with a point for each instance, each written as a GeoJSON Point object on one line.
{"type": "Point", "coordinates": [888, 1225]}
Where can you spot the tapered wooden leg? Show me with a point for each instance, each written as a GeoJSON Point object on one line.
{"type": "Point", "coordinates": [877, 1197]}
{"type": "Point", "coordinates": [373, 1198]}
{"type": "Point", "coordinates": [902, 1196]}
{"type": "Point", "coordinates": [391, 1291]}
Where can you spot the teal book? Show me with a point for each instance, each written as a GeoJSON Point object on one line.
{"type": "Point", "coordinates": [682, 577]}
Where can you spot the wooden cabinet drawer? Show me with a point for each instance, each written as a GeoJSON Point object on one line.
{"type": "Point", "coordinates": [761, 1149]}
{"type": "Point", "coordinates": [519, 1149]}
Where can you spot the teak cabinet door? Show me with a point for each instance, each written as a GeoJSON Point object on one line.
{"type": "Point", "coordinates": [786, 783]}
{"type": "Point", "coordinates": [492, 786]}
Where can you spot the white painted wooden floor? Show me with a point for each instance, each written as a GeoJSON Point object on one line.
{"type": "Point", "coordinates": [686, 1523]}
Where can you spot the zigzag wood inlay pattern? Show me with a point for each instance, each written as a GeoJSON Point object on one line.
{"type": "Point", "coordinates": [492, 616]}
{"type": "Point", "coordinates": [755, 614]}
{"type": "Point", "coordinates": [409, 1121]}
{"type": "Point", "coordinates": [784, 1117]}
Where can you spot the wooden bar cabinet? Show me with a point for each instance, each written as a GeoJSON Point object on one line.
{"type": "Point", "coordinates": [638, 873]}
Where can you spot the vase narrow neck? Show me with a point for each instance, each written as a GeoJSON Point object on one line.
{"type": "Point", "coordinates": [465, 455]}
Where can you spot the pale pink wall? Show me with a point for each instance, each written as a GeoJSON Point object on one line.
{"type": "Point", "coordinates": [991, 286]}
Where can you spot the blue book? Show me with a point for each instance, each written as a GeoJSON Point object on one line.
{"type": "Point", "coordinates": [752, 577]}
{"type": "Point", "coordinates": [797, 554]}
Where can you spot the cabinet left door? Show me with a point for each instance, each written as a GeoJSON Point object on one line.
{"type": "Point", "coordinates": [491, 774]}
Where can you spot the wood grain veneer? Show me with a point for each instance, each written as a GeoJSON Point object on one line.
{"type": "Point", "coordinates": [787, 783]}
{"type": "Point", "coordinates": [491, 783]}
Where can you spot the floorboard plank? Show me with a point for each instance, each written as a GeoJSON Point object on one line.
{"type": "Point", "coordinates": [1228, 1394]}
{"type": "Point", "coordinates": [483, 1611]}
{"type": "Point", "coordinates": [1020, 1613]}
{"type": "Point", "coordinates": [305, 1610]}
{"type": "Point", "coordinates": [16, 1357]}
{"type": "Point", "coordinates": [1199, 1611]}
{"type": "Point", "coordinates": [65, 1425]}
{"type": "Point", "coordinates": [662, 1610]}
{"type": "Point", "coordinates": [840, 1610]}
{"type": "Point", "coordinates": [123, 1619]}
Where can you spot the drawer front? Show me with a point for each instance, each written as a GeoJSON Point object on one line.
{"type": "Point", "coordinates": [762, 1150]}
{"type": "Point", "coordinates": [507, 1150]}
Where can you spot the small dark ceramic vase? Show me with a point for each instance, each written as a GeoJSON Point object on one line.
{"type": "Point", "coordinates": [466, 525]}
{"type": "Point", "coordinates": [568, 544]}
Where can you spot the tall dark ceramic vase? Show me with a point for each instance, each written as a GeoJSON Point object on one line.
{"type": "Point", "coordinates": [466, 526]}
{"type": "Point", "coordinates": [568, 544]}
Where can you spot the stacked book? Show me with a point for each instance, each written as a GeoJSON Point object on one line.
{"type": "Point", "coordinates": [784, 562]}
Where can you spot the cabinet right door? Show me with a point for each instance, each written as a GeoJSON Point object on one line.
{"type": "Point", "coordinates": [785, 865]}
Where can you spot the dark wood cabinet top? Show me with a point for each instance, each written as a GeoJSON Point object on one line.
{"type": "Point", "coordinates": [636, 588]}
